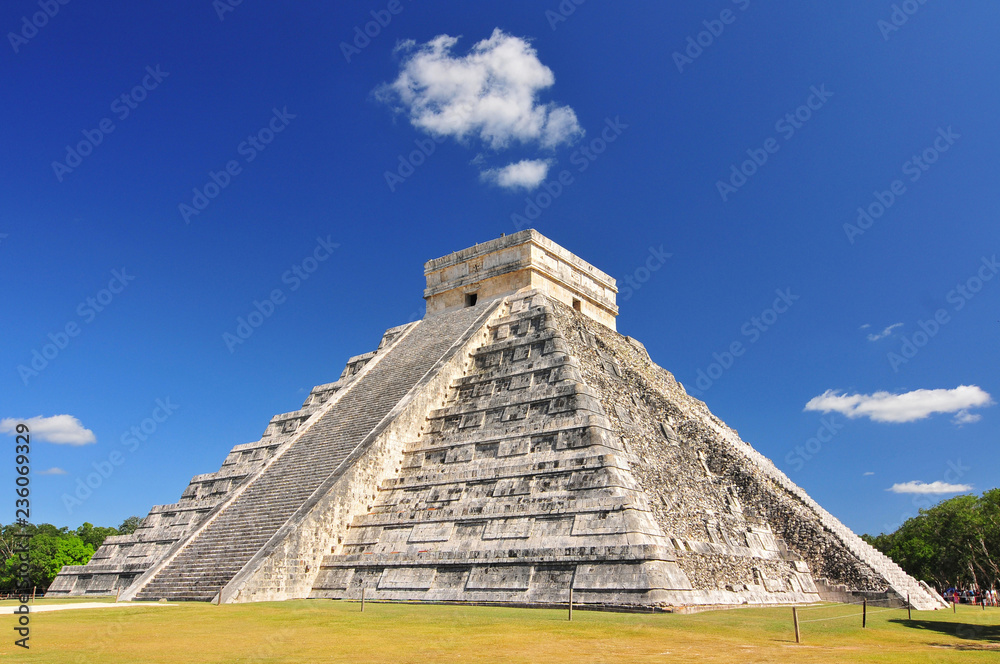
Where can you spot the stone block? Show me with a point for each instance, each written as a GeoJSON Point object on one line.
{"type": "Point", "coordinates": [499, 577]}
{"type": "Point", "coordinates": [407, 578]}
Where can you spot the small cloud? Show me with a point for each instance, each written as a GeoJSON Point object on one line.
{"type": "Point", "coordinates": [58, 429]}
{"type": "Point", "coordinates": [869, 473]}
{"type": "Point", "coordinates": [525, 174]}
{"type": "Point", "coordinates": [965, 417]}
{"type": "Point", "coordinates": [933, 487]}
{"type": "Point", "coordinates": [865, 326]}
{"type": "Point", "coordinates": [905, 407]}
{"type": "Point", "coordinates": [490, 92]}
{"type": "Point", "coordinates": [884, 333]}
{"type": "Point", "coordinates": [52, 471]}
{"type": "Point", "coordinates": [489, 97]}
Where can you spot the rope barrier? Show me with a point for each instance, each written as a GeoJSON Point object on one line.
{"type": "Point", "coordinates": [851, 615]}
{"type": "Point", "coordinates": [872, 602]}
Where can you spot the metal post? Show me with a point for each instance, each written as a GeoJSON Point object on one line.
{"type": "Point", "coordinates": [571, 602]}
{"type": "Point", "coordinates": [33, 589]}
{"type": "Point", "coordinates": [118, 594]}
{"type": "Point", "coordinates": [362, 599]}
{"type": "Point", "coordinates": [795, 619]}
{"type": "Point", "coordinates": [864, 614]}
{"type": "Point", "coordinates": [909, 608]}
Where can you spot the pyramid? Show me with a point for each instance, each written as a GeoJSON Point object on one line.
{"type": "Point", "coordinates": [507, 448]}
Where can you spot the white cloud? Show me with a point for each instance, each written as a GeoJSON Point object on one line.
{"type": "Point", "coordinates": [869, 473]}
{"type": "Point", "coordinates": [59, 429]}
{"type": "Point", "coordinates": [965, 417]}
{"type": "Point", "coordinates": [52, 471]}
{"type": "Point", "coordinates": [525, 174]}
{"type": "Point", "coordinates": [490, 93]}
{"type": "Point", "coordinates": [933, 487]}
{"type": "Point", "coordinates": [865, 326]}
{"type": "Point", "coordinates": [884, 333]}
{"type": "Point", "coordinates": [905, 407]}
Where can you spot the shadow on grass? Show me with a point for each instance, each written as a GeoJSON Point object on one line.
{"type": "Point", "coordinates": [967, 631]}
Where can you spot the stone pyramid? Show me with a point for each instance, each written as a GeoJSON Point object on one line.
{"type": "Point", "coordinates": [506, 448]}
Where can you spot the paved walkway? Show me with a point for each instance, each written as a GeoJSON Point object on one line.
{"type": "Point", "coordinates": [38, 608]}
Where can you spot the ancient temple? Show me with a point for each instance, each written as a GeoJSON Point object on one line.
{"type": "Point", "coordinates": [506, 448]}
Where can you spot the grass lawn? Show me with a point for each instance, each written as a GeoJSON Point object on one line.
{"type": "Point", "coordinates": [61, 600]}
{"type": "Point", "coordinates": [327, 631]}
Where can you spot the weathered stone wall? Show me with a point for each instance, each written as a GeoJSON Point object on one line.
{"type": "Point", "coordinates": [524, 260]}
{"type": "Point", "coordinates": [254, 522]}
{"type": "Point", "coordinates": [510, 493]}
{"type": "Point", "coordinates": [742, 496]}
{"type": "Point", "coordinates": [523, 485]}
{"type": "Point", "coordinates": [287, 567]}
{"type": "Point", "coordinates": [723, 543]}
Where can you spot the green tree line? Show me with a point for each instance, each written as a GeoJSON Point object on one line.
{"type": "Point", "coordinates": [956, 543]}
{"type": "Point", "coordinates": [49, 548]}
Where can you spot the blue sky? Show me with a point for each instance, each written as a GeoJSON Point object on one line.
{"type": "Point", "coordinates": [622, 132]}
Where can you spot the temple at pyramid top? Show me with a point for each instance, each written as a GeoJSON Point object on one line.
{"type": "Point", "coordinates": [508, 264]}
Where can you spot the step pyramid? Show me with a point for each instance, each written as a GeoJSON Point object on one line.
{"type": "Point", "coordinates": [507, 448]}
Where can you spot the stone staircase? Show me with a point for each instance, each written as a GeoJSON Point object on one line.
{"type": "Point", "coordinates": [512, 491]}
{"type": "Point", "coordinates": [214, 554]}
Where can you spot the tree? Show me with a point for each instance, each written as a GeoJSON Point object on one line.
{"type": "Point", "coordinates": [94, 536]}
{"type": "Point", "coordinates": [70, 551]}
{"type": "Point", "coordinates": [954, 543]}
{"type": "Point", "coordinates": [129, 525]}
{"type": "Point", "coordinates": [48, 554]}
{"type": "Point", "coordinates": [49, 549]}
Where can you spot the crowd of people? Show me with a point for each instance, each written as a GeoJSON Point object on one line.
{"type": "Point", "coordinates": [972, 596]}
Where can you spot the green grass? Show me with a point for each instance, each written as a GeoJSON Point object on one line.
{"type": "Point", "coordinates": [326, 631]}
